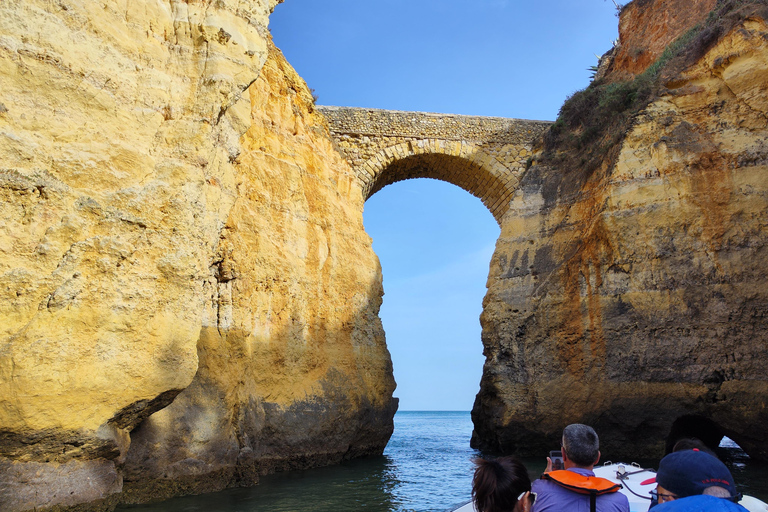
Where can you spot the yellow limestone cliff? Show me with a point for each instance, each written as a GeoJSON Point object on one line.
{"type": "Point", "coordinates": [636, 299]}
{"type": "Point", "coordinates": [173, 217]}
{"type": "Point", "coordinates": [293, 366]}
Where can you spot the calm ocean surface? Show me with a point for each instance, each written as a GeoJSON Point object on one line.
{"type": "Point", "coordinates": [425, 468]}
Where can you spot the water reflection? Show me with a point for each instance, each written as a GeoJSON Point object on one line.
{"type": "Point", "coordinates": [366, 484]}
{"type": "Point", "coordinates": [751, 476]}
{"type": "Point", "coordinates": [426, 468]}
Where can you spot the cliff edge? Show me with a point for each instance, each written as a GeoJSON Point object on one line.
{"type": "Point", "coordinates": [629, 288]}
{"type": "Point", "coordinates": [189, 298]}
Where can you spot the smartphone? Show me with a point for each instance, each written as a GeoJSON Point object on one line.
{"type": "Point", "coordinates": [557, 459]}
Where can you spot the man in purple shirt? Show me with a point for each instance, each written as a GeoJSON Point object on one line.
{"type": "Point", "coordinates": [581, 451]}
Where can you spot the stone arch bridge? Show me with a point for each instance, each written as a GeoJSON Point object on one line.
{"type": "Point", "coordinates": [483, 155]}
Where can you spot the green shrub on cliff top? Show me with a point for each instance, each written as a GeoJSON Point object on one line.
{"type": "Point", "coordinates": [592, 122]}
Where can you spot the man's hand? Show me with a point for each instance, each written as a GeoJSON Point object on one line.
{"type": "Point", "coordinates": [549, 465]}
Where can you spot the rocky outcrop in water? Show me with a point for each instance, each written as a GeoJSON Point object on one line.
{"type": "Point", "coordinates": [634, 297]}
{"type": "Point", "coordinates": [175, 228]}
{"type": "Point", "coordinates": [293, 369]}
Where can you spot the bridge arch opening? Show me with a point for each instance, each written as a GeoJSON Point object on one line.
{"type": "Point", "coordinates": [435, 242]}
{"type": "Point", "coordinates": [470, 169]}
{"type": "Point", "coordinates": [486, 156]}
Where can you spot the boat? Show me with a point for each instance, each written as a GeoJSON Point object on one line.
{"type": "Point", "coordinates": [631, 477]}
{"type": "Point", "coordinates": [466, 507]}
{"type": "Point", "coordinates": [634, 482]}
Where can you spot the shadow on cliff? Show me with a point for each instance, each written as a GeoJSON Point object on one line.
{"type": "Point", "coordinates": [230, 426]}
{"type": "Point", "coordinates": [643, 321]}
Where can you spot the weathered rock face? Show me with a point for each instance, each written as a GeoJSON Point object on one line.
{"type": "Point", "coordinates": [637, 301]}
{"type": "Point", "coordinates": [646, 27]}
{"type": "Point", "coordinates": [293, 367]}
{"type": "Point", "coordinates": [168, 223]}
{"type": "Point", "coordinates": [189, 298]}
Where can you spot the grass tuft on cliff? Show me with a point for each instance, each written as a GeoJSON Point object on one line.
{"type": "Point", "coordinates": [592, 122]}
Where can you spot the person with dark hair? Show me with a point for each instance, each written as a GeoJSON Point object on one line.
{"type": "Point", "coordinates": [692, 443]}
{"type": "Point", "coordinates": [501, 485]}
{"type": "Point", "coordinates": [576, 488]}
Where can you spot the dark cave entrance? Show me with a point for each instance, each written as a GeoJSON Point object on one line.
{"type": "Point", "coordinates": [696, 427]}
{"type": "Point", "coordinates": [713, 436]}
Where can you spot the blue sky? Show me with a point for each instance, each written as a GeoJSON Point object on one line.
{"type": "Point", "coordinates": [506, 58]}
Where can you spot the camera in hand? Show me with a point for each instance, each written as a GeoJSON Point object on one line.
{"type": "Point", "coordinates": [556, 456]}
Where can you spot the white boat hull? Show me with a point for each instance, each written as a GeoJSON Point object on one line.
{"type": "Point", "coordinates": [630, 476]}
{"type": "Point", "coordinates": [636, 475]}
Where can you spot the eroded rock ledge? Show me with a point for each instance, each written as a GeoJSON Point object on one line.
{"type": "Point", "coordinates": [636, 299]}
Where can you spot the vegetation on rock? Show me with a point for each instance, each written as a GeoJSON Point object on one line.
{"type": "Point", "coordinates": [592, 122]}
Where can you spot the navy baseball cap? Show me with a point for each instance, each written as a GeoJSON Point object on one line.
{"type": "Point", "coordinates": [689, 472]}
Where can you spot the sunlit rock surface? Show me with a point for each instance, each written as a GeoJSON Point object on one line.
{"type": "Point", "coordinates": [189, 298]}
{"type": "Point", "coordinates": [170, 223]}
{"type": "Point", "coordinates": [647, 27]}
{"type": "Point", "coordinates": [638, 302]}
{"type": "Point", "coordinates": [293, 367]}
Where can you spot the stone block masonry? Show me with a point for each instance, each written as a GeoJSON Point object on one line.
{"type": "Point", "coordinates": [483, 155]}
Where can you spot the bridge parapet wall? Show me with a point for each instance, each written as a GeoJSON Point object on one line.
{"type": "Point", "coordinates": [425, 125]}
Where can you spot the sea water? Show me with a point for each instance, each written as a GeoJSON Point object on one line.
{"type": "Point", "coordinates": [426, 467]}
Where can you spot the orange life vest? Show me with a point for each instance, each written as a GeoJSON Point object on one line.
{"type": "Point", "coordinates": [592, 485]}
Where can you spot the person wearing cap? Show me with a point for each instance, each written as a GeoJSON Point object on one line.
{"type": "Point", "coordinates": [576, 488]}
{"type": "Point", "coordinates": [692, 473]}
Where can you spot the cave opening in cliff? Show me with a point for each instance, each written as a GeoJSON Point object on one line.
{"type": "Point", "coordinates": [694, 426]}
{"type": "Point", "coordinates": [434, 241]}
